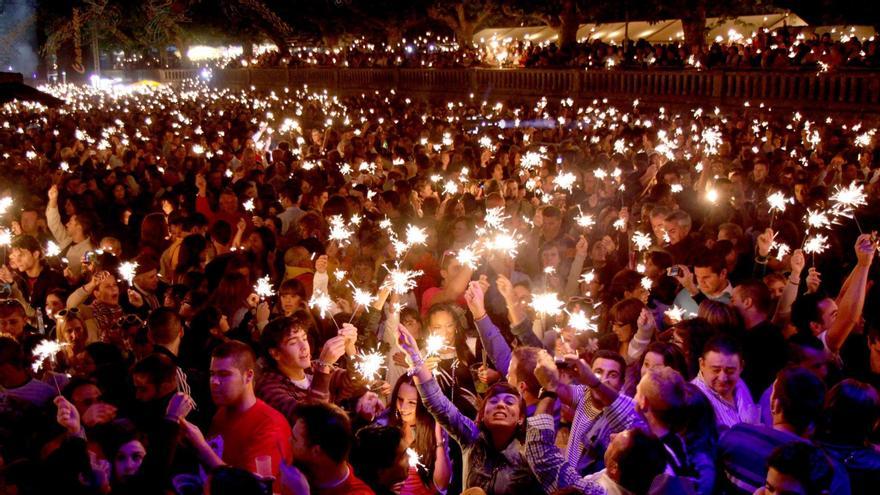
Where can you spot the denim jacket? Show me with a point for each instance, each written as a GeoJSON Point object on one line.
{"type": "Point", "coordinates": [504, 472]}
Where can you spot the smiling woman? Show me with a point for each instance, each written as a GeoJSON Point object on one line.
{"type": "Point", "coordinates": [491, 446]}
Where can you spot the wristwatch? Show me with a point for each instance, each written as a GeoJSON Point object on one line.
{"type": "Point", "coordinates": [547, 394]}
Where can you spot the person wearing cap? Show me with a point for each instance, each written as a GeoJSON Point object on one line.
{"type": "Point", "coordinates": [146, 282]}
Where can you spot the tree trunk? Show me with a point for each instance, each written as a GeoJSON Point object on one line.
{"type": "Point", "coordinates": [694, 26]}
{"type": "Point", "coordinates": [568, 26]}
{"type": "Point", "coordinates": [464, 33]}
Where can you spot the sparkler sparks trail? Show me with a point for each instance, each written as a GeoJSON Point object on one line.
{"type": "Point", "coordinates": [547, 303]}
{"type": "Point", "coordinates": [782, 250]}
{"type": "Point", "coordinates": [584, 221]}
{"type": "Point", "coordinates": [248, 205]}
{"type": "Point", "coordinates": [401, 281]}
{"type": "Point", "coordinates": [778, 201]}
{"type": "Point", "coordinates": [642, 241]}
{"type": "Point", "coordinates": [531, 160]}
{"type": "Point", "coordinates": [46, 349]}
{"type": "Point", "coordinates": [565, 180]}
{"type": "Point", "coordinates": [847, 199]}
{"type": "Point", "coordinates": [495, 218]}
{"type": "Point", "coordinates": [676, 314]}
{"type": "Point", "coordinates": [647, 283]}
{"type": "Point", "coordinates": [416, 236]}
{"type": "Point", "coordinates": [52, 249]}
{"type": "Point", "coordinates": [503, 243]}
{"type": "Point", "coordinates": [467, 257]}
{"type": "Point", "coordinates": [362, 297]}
{"type": "Point", "coordinates": [816, 244]}
{"type": "Point", "coordinates": [321, 301]}
{"type": "Point", "coordinates": [580, 322]}
{"type": "Point", "coordinates": [5, 203]}
{"type": "Point", "coordinates": [434, 344]}
{"type": "Point", "coordinates": [339, 232]}
{"type": "Point", "coordinates": [712, 140]}
{"type": "Point", "coordinates": [369, 364]}
{"type": "Point", "coordinates": [128, 270]}
{"type": "Point", "coordinates": [415, 459]}
{"type": "Point", "coordinates": [263, 288]}
{"type": "Point", "coordinates": [450, 188]}
{"type": "Point", "coordinates": [818, 219]}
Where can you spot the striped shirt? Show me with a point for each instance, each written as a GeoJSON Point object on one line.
{"type": "Point", "coordinates": [552, 470]}
{"type": "Point", "coordinates": [727, 413]}
{"type": "Point", "coordinates": [594, 426]}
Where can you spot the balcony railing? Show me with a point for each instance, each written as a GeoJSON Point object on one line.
{"type": "Point", "coordinates": [855, 91]}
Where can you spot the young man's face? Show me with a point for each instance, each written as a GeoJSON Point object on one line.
{"type": "Point", "coordinates": [293, 351]}
{"type": "Point", "coordinates": [710, 283]}
{"type": "Point", "coordinates": [13, 324]}
{"type": "Point", "coordinates": [24, 259]}
{"type": "Point", "coordinates": [782, 484]}
{"type": "Point", "coordinates": [228, 383]}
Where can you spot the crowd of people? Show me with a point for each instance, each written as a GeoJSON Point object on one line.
{"type": "Point", "coordinates": [217, 291]}
{"type": "Point", "coordinates": [778, 49]}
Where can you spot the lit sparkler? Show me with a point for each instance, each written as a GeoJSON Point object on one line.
{"type": "Point", "coordinates": [128, 270]}
{"type": "Point", "coordinates": [263, 288]}
{"type": "Point", "coordinates": [369, 364]}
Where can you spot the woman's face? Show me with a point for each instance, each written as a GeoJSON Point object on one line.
{"type": "Point", "coordinates": [255, 243]}
{"type": "Point", "coordinates": [624, 331]}
{"type": "Point", "coordinates": [550, 257]}
{"type": "Point", "coordinates": [119, 192]}
{"type": "Point", "coordinates": [652, 360]}
{"type": "Point", "coordinates": [73, 332]}
{"type": "Point", "coordinates": [290, 303]}
{"type": "Point", "coordinates": [54, 304]}
{"type": "Point", "coordinates": [443, 324]}
{"type": "Point", "coordinates": [407, 400]}
{"type": "Point", "coordinates": [128, 459]}
{"type": "Point", "coordinates": [413, 325]}
{"type": "Point", "coordinates": [502, 411]}
{"type": "Point", "coordinates": [460, 231]}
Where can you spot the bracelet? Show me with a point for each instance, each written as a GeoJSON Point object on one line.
{"type": "Point", "coordinates": [327, 367]}
{"type": "Point", "coordinates": [761, 260]}
{"type": "Point", "coordinates": [794, 283]}
{"type": "Point", "coordinates": [415, 369]}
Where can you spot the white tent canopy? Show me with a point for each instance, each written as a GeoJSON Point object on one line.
{"type": "Point", "coordinates": [665, 31]}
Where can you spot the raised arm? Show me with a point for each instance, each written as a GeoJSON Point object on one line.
{"type": "Point", "coordinates": [459, 426]}
{"type": "Point", "coordinates": [852, 301]}
{"type": "Point", "coordinates": [574, 275]}
{"type": "Point", "coordinates": [790, 291]}
{"type": "Point", "coordinates": [53, 220]}
{"type": "Point", "coordinates": [520, 325]}
{"type": "Point", "coordinates": [494, 343]}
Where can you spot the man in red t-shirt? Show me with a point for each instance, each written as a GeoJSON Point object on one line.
{"type": "Point", "coordinates": [322, 440]}
{"type": "Point", "coordinates": [246, 428]}
{"type": "Point", "coordinates": [455, 279]}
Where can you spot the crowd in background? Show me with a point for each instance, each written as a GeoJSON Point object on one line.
{"type": "Point", "coordinates": [560, 299]}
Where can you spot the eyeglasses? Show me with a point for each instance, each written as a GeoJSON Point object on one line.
{"type": "Point", "coordinates": [67, 311]}
{"type": "Point", "coordinates": [129, 320]}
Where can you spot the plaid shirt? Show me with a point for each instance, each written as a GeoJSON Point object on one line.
{"type": "Point", "coordinates": [594, 426]}
{"type": "Point", "coordinates": [552, 470]}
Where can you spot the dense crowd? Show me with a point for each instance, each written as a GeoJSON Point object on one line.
{"type": "Point", "coordinates": [779, 49]}
{"type": "Point", "coordinates": [216, 291]}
